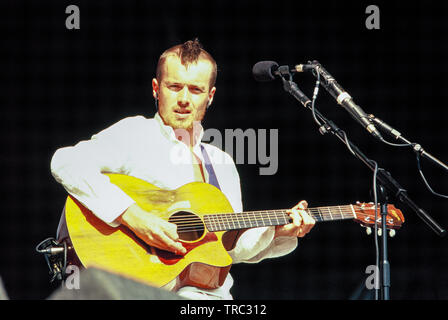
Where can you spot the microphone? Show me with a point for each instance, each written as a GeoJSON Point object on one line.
{"type": "Point", "coordinates": [342, 97]}
{"type": "Point", "coordinates": [264, 71]}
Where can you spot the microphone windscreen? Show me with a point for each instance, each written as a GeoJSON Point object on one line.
{"type": "Point", "coordinates": [262, 70]}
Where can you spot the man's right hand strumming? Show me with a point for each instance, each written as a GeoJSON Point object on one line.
{"type": "Point", "coordinates": [153, 230]}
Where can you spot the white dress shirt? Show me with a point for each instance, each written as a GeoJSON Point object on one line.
{"type": "Point", "coordinates": [149, 150]}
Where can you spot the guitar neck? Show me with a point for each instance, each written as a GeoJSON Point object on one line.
{"type": "Point", "coordinates": [254, 219]}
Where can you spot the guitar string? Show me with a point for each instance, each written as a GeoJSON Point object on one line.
{"type": "Point", "coordinates": [230, 217]}
{"type": "Point", "coordinates": [346, 208]}
{"type": "Point", "coordinates": [220, 227]}
{"type": "Point", "coordinates": [214, 224]}
{"type": "Point", "coordinates": [268, 215]}
{"type": "Point", "coordinates": [201, 228]}
{"type": "Point", "coordinates": [314, 211]}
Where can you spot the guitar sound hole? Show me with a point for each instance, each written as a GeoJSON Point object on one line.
{"type": "Point", "coordinates": [189, 226]}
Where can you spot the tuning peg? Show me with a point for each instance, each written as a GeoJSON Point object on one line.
{"type": "Point", "coordinates": [392, 232]}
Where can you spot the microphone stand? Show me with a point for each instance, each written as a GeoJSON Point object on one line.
{"type": "Point", "coordinates": [384, 265]}
{"type": "Point", "coordinates": [386, 182]}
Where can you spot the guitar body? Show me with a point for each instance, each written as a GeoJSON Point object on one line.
{"type": "Point", "coordinates": [192, 208]}
{"type": "Point", "coordinates": [118, 250]}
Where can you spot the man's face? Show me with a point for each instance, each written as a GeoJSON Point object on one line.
{"type": "Point", "coordinates": [183, 93]}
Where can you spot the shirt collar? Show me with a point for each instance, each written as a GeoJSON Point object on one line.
{"type": "Point", "coordinates": [168, 131]}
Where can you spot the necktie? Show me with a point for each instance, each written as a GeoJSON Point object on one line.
{"type": "Point", "coordinates": [209, 167]}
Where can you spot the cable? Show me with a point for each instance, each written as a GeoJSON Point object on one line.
{"type": "Point", "coordinates": [55, 254]}
{"type": "Point", "coordinates": [315, 93]}
{"type": "Point", "coordinates": [398, 144]}
{"type": "Point", "coordinates": [415, 146]}
{"type": "Point", "coordinates": [377, 252]}
{"type": "Point", "coordinates": [347, 143]}
{"type": "Point", "coordinates": [425, 181]}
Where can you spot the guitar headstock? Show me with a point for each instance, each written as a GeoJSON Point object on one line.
{"type": "Point", "coordinates": [365, 215]}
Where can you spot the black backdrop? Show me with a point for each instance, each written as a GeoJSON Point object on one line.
{"type": "Point", "coordinates": [60, 86]}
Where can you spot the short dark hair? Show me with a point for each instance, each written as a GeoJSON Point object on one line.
{"type": "Point", "coordinates": [188, 52]}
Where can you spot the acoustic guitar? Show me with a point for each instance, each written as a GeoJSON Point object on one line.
{"type": "Point", "coordinates": [202, 214]}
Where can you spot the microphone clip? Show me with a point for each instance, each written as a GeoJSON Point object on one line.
{"type": "Point", "coordinates": [284, 71]}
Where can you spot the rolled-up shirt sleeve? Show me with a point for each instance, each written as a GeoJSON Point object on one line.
{"type": "Point", "coordinates": [79, 169]}
{"type": "Point", "coordinates": [255, 244]}
{"type": "Point", "coordinates": [258, 244]}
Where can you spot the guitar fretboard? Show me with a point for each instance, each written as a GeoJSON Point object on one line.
{"type": "Point", "coordinates": [253, 219]}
